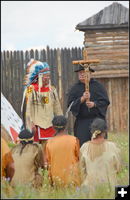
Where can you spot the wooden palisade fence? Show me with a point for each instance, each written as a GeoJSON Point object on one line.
{"type": "Point", "coordinates": [13, 66]}
{"type": "Point", "coordinates": [13, 69]}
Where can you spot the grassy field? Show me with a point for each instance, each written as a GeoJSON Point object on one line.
{"type": "Point", "coordinates": [47, 192]}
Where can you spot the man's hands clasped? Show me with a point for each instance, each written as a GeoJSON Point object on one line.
{"type": "Point", "coordinates": [86, 98]}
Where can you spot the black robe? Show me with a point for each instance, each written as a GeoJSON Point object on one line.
{"type": "Point", "coordinates": [84, 115]}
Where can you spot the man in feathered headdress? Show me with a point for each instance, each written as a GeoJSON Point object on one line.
{"type": "Point", "coordinates": [40, 101]}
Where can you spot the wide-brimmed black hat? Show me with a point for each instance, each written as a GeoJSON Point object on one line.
{"type": "Point", "coordinates": [80, 67]}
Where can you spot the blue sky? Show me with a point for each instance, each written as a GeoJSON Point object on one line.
{"type": "Point", "coordinates": [36, 24]}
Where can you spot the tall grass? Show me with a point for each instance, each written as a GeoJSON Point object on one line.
{"type": "Point", "coordinates": [121, 139]}
{"type": "Point", "coordinates": [48, 192]}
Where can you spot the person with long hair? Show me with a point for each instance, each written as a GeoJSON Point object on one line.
{"type": "Point", "coordinates": [28, 159]}
{"type": "Point", "coordinates": [7, 161]}
{"type": "Point", "coordinates": [99, 159]}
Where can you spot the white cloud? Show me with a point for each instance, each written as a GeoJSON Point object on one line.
{"type": "Point", "coordinates": [26, 24]}
{"type": "Point", "coordinates": [9, 46]}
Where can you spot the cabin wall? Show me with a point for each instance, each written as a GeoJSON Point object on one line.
{"type": "Point", "coordinates": [110, 46]}
{"type": "Point", "coordinates": [117, 114]}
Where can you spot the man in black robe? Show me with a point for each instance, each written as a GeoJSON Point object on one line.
{"type": "Point", "coordinates": [86, 112]}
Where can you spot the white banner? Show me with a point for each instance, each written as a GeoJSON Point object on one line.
{"type": "Point", "coordinates": [10, 119]}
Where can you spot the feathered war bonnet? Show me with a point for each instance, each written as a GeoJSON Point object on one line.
{"type": "Point", "coordinates": [35, 71]}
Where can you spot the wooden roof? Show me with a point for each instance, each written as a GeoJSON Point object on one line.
{"type": "Point", "coordinates": [113, 16]}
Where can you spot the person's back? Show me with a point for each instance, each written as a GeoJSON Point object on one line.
{"type": "Point", "coordinates": [99, 159]}
{"type": "Point", "coordinates": [7, 160]}
{"type": "Point", "coordinates": [28, 158]}
{"type": "Point", "coordinates": [101, 167]}
{"type": "Point", "coordinates": [62, 153]}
